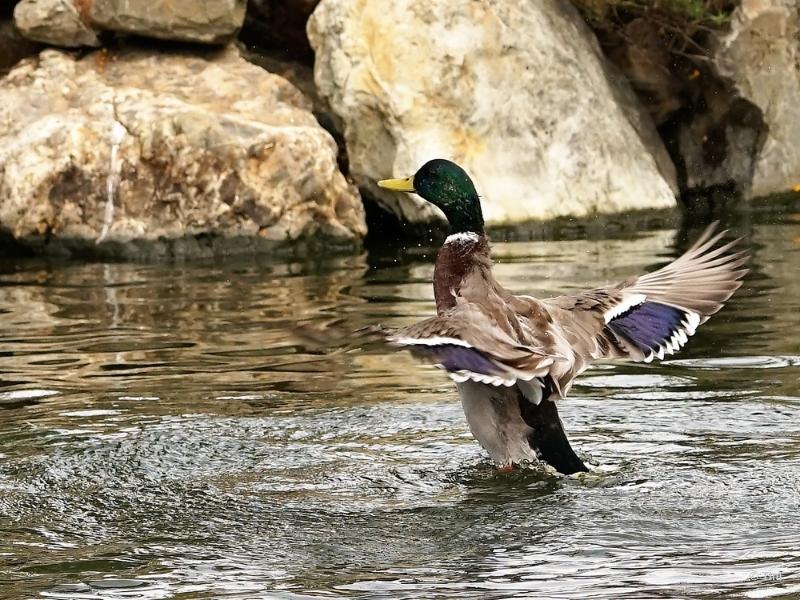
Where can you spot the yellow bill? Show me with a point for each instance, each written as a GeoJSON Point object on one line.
{"type": "Point", "coordinates": [398, 185]}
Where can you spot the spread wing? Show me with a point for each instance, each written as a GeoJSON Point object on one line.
{"type": "Point", "coordinates": [541, 345]}
{"type": "Point", "coordinates": [653, 315]}
{"type": "Point", "coordinates": [469, 344]}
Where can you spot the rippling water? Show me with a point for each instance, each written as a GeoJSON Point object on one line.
{"type": "Point", "coordinates": [162, 435]}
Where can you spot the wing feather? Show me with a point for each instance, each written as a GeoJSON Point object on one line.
{"type": "Point", "coordinates": [654, 315]}
{"type": "Point", "coordinates": [466, 343]}
{"type": "Point", "coordinates": [505, 340]}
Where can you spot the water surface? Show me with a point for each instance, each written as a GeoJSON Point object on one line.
{"type": "Point", "coordinates": [163, 435]}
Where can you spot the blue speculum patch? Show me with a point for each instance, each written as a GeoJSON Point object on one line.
{"type": "Point", "coordinates": [459, 358]}
{"type": "Point", "coordinates": [648, 325]}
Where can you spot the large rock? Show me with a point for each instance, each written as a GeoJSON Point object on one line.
{"type": "Point", "coordinates": [207, 21]}
{"type": "Point", "coordinates": [300, 76]}
{"type": "Point", "coordinates": [761, 56]}
{"type": "Point", "coordinates": [236, 155]}
{"type": "Point", "coordinates": [73, 23]}
{"type": "Point", "coordinates": [516, 92]}
{"type": "Point", "coordinates": [57, 22]}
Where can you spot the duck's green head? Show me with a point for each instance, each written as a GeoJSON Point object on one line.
{"type": "Point", "coordinates": [446, 185]}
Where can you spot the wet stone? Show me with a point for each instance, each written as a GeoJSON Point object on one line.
{"type": "Point", "coordinates": [113, 151]}
{"type": "Point", "coordinates": [55, 22]}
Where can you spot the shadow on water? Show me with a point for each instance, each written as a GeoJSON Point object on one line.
{"type": "Point", "coordinates": [163, 435]}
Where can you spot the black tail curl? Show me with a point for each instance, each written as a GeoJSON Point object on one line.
{"type": "Point", "coordinates": [548, 438]}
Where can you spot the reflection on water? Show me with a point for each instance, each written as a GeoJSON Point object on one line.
{"type": "Point", "coordinates": [163, 435]}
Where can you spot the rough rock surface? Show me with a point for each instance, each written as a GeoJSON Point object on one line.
{"type": "Point", "coordinates": [74, 23]}
{"type": "Point", "coordinates": [301, 76]}
{"type": "Point", "coordinates": [516, 92]}
{"type": "Point", "coordinates": [235, 155]}
{"type": "Point", "coordinates": [642, 124]}
{"type": "Point", "coordinates": [761, 56]}
{"type": "Point", "coordinates": [57, 22]}
{"type": "Point", "coordinates": [208, 21]}
{"type": "Point", "coordinates": [13, 47]}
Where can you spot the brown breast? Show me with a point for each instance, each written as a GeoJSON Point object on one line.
{"type": "Point", "coordinates": [460, 254]}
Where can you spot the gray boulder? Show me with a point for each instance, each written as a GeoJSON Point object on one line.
{"type": "Point", "coordinates": [206, 21]}
{"type": "Point", "coordinates": [761, 56]}
{"type": "Point", "coordinates": [515, 92]}
{"type": "Point", "coordinates": [108, 156]}
{"type": "Point", "coordinates": [73, 23]}
{"type": "Point", "coordinates": [57, 22]}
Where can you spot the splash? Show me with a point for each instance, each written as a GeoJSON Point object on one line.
{"type": "Point", "coordinates": [112, 183]}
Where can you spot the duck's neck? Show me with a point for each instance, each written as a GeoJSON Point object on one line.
{"type": "Point", "coordinates": [465, 216]}
{"type": "Point", "coordinates": [460, 255]}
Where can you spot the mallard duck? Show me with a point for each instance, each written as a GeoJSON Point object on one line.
{"type": "Point", "coordinates": [513, 357]}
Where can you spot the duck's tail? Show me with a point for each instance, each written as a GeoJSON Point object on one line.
{"type": "Point", "coordinates": [548, 439]}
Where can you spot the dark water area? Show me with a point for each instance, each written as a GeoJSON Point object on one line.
{"type": "Point", "coordinates": [163, 435]}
